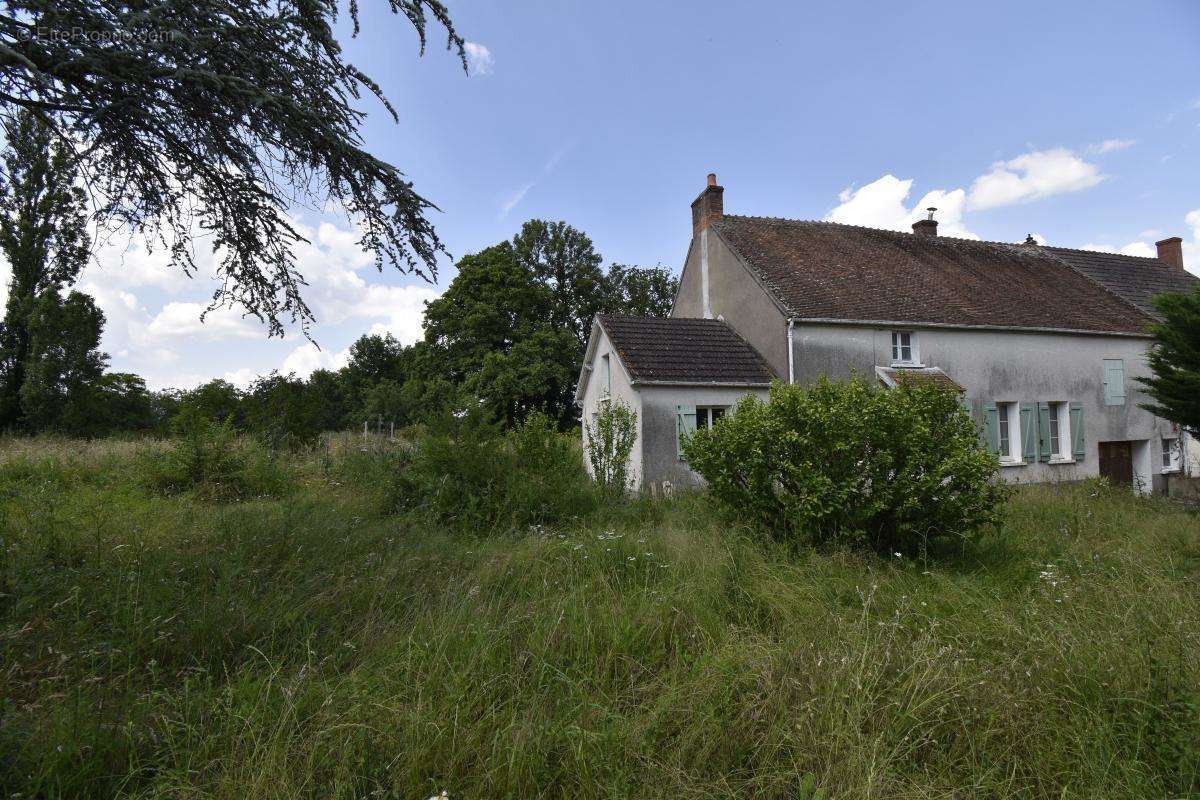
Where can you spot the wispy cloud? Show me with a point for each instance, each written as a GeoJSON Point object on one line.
{"type": "Point", "coordinates": [547, 167]}
{"type": "Point", "coordinates": [1109, 145]}
{"type": "Point", "coordinates": [513, 199]}
{"type": "Point", "coordinates": [479, 58]}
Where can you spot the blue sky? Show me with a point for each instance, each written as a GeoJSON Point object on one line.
{"type": "Point", "coordinates": [1076, 121]}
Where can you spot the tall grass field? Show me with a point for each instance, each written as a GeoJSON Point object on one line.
{"type": "Point", "coordinates": [299, 632]}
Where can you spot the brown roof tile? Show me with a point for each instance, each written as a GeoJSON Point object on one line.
{"type": "Point", "coordinates": [826, 270]}
{"type": "Point", "coordinates": [1131, 278]}
{"type": "Point", "coordinates": [684, 350]}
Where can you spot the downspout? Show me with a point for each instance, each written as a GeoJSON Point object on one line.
{"type": "Point", "coordinates": [791, 357]}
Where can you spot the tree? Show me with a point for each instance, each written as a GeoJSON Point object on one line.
{"type": "Point", "coordinates": [221, 114]}
{"type": "Point", "coordinates": [62, 378]}
{"type": "Point", "coordinates": [216, 401]}
{"type": "Point", "coordinates": [44, 238]}
{"type": "Point", "coordinates": [122, 404]}
{"type": "Point", "coordinates": [640, 291]}
{"type": "Point", "coordinates": [1174, 360]}
{"type": "Point", "coordinates": [564, 260]}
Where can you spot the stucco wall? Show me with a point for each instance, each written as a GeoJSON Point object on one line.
{"type": "Point", "coordinates": [734, 296]}
{"type": "Point", "coordinates": [658, 428]}
{"type": "Point", "coordinates": [621, 391]}
{"type": "Point", "coordinates": [1008, 366]}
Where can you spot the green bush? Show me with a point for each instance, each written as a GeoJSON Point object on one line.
{"type": "Point", "coordinates": [849, 462]}
{"type": "Point", "coordinates": [210, 460]}
{"type": "Point", "coordinates": [610, 441]}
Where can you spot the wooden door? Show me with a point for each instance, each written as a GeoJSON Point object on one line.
{"type": "Point", "coordinates": [1116, 462]}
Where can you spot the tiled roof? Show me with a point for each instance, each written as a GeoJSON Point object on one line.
{"type": "Point", "coordinates": [683, 350]}
{"type": "Point", "coordinates": [924, 376]}
{"type": "Point", "coordinates": [1131, 278]}
{"type": "Point", "coordinates": [826, 270]}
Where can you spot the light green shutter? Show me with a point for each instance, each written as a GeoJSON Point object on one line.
{"type": "Point", "coordinates": [1029, 432]}
{"type": "Point", "coordinates": [964, 403]}
{"type": "Point", "coordinates": [1114, 382]}
{"type": "Point", "coordinates": [991, 427]}
{"type": "Point", "coordinates": [1077, 445]}
{"type": "Point", "coordinates": [685, 423]}
{"type": "Point", "coordinates": [1044, 453]}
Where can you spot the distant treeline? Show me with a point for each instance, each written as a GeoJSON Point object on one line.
{"type": "Point", "coordinates": [506, 338]}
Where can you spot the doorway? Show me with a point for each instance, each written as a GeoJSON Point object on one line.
{"type": "Point", "coordinates": [1116, 462]}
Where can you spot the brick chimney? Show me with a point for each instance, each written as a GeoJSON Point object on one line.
{"type": "Point", "coordinates": [709, 206]}
{"type": "Point", "coordinates": [926, 227]}
{"type": "Point", "coordinates": [1171, 251]}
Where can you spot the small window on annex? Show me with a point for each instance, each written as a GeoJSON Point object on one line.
{"type": "Point", "coordinates": [904, 347]}
{"type": "Point", "coordinates": [707, 416]}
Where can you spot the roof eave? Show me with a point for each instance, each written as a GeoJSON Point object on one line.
{"type": "Point", "coordinates": [893, 323]}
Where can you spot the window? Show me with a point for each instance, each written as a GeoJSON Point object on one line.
{"type": "Point", "coordinates": [707, 416]}
{"type": "Point", "coordinates": [1171, 455]}
{"type": "Point", "coordinates": [904, 347]}
{"type": "Point", "coordinates": [1005, 437]}
{"type": "Point", "coordinates": [1058, 432]}
{"type": "Point", "coordinates": [1114, 382]}
{"type": "Point", "coordinates": [605, 376]}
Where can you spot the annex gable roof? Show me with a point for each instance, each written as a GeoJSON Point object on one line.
{"type": "Point", "coordinates": [680, 351]}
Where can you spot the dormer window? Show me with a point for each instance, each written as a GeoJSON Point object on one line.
{"type": "Point", "coordinates": [904, 348]}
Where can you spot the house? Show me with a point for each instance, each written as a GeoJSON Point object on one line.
{"type": "Point", "coordinates": [1043, 342]}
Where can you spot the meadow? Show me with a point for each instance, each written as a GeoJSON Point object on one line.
{"type": "Point", "coordinates": [314, 638]}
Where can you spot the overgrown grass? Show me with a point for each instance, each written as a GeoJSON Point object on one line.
{"type": "Point", "coordinates": [314, 646]}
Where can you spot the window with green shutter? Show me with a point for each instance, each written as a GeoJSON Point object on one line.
{"type": "Point", "coordinates": [1114, 382]}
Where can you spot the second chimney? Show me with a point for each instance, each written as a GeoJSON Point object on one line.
{"type": "Point", "coordinates": [926, 227]}
{"type": "Point", "coordinates": [709, 206]}
{"type": "Point", "coordinates": [1171, 251]}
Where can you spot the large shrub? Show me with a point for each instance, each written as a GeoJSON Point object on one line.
{"type": "Point", "coordinates": [846, 461]}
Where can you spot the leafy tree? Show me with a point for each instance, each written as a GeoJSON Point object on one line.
{"type": "Point", "coordinates": [1174, 360]}
{"type": "Point", "coordinates": [216, 401]}
{"type": "Point", "coordinates": [282, 412]}
{"type": "Point", "coordinates": [122, 404]}
{"type": "Point", "coordinates": [62, 377]}
{"type": "Point", "coordinates": [221, 114]}
{"type": "Point", "coordinates": [328, 392]}
{"type": "Point", "coordinates": [44, 238]}
{"type": "Point", "coordinates": [640, 291]}
{"type": "Point", "coordinates": [493, 303]}
{"type": "Point", "coordinates": [373, 358]}
{"type": "Point", "coordinates": [537, 373]}
{"type": "Point", "coordinates": [563, 259]}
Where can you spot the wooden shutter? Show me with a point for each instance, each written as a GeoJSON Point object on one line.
{"type": "Point", "coordinates": [1044, 451]}
{"type": "Point", "coordinates": [1114, 382]}
{"type": "Point", "coordinates": [965, 404]}
{"type": "Point", "coordinates": [1029, 432]}
{"type": "Point", "coordinates": [1077, 442]}
{"type": "Point", "coordinates": [685, 423]}
{"type": "Point", "coordinates": [991, 427]}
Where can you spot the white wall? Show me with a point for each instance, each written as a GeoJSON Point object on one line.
{"type": "Point", "coordinates": [621, 391]}
{"type": "Point", "coordinates": [1008, 366]}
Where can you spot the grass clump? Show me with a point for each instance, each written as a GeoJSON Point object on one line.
{"type": "Point", "coordinates": [168, 645]}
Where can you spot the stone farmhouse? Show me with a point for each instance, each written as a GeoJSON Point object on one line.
{"type": "Point", "coordinates": [1043, 342]}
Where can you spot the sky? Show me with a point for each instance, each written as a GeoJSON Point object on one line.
{"type": "Point", "coordinates": [1075, 121]}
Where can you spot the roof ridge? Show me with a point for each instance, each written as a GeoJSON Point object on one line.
{"type": "Point", "coordinates": [830, 222]}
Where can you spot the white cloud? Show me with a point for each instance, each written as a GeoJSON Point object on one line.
{"type": "Point", "coordinates": [1191, 249]}
{"type": "Point", "coordinates": [1109, 145]}
{"type": "Point", "coordinates": [307, 358]}
{"type": "Point", "coordinates": [881, 204]}
{"type": "Point", "coordinates": [177, 320]}
{"type": "Point", "coordinates": [479, 58]}
{"type": "Point", "coordinates": [1032, 176]}
{"type": "Point", "coordinates": [1131, 249]}
{"type": "Point", "coordinates": [241, 378]}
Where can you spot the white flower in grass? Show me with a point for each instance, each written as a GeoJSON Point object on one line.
{"type": "Point", "coordinates": [443, 795]}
